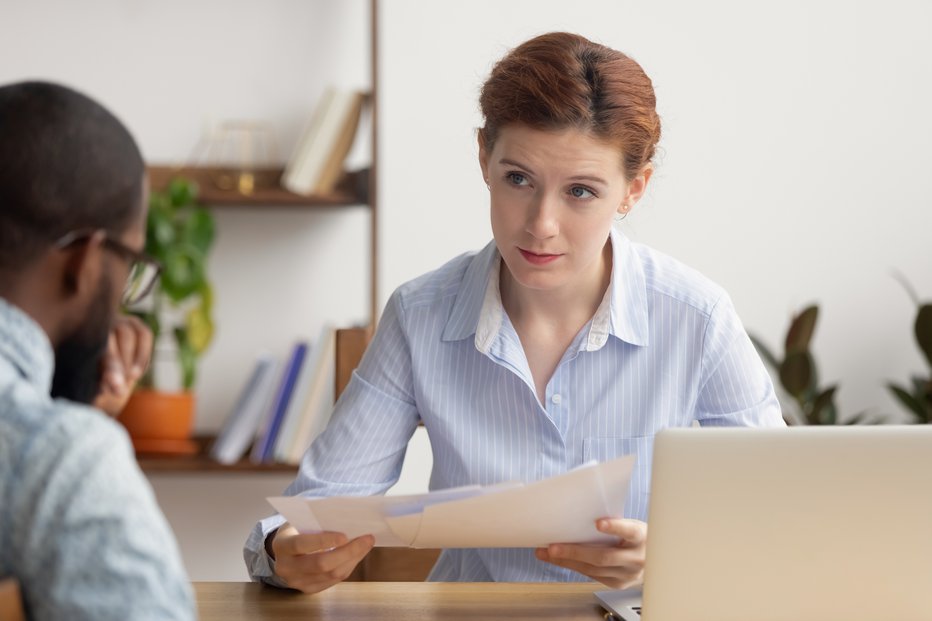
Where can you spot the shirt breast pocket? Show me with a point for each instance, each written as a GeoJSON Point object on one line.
{"type": "Point", "coordinates": [642, 447]}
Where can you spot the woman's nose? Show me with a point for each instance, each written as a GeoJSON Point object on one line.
{"type": "Point", "coordinates": [542, 222]}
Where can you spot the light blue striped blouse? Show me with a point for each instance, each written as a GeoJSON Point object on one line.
{"type": "Point", "coordinates": [665, 348]}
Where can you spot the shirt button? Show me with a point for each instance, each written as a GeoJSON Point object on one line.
{"type": "Point", "coordinates": [556, 399]}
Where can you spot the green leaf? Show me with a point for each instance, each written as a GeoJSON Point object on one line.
{"type": "Point", "coordinates": [924, 330]}
{"type": "Point", "coordinates": [801, 330]}
{"type": "Point", "coordinates": [795, 373]}
{"type": "Point", "coordinates": [198, 229]}
{"type": "Point", "coordinates": [908, 400]}
{"type": "Point", "coordinates": [813, 387]}
{"type": "Point", "coordinates": [187, 358]}
{"type": "Point", "coordinates": [160, 232]}
{"type": "Point", "coordinates": [183, 272]}
{"type": "Point", "coordinates": [182, 192]}
{"type": "Point", "coordinates": [207, 296]}
{"type": "Point", "coordinates": [200, 329]}
{"type": "Point", "coordinates": [921, 385]}
{"type": "Point", "coordinates": [159, 200]}
{"type": "Point", "coordinates": [824, 403]}
{"type": "Point", "coordinates": [764, 352]}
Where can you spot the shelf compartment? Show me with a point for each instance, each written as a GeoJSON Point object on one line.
{"type": "Point", "coordinates": [202, 463]}
{"type": "Point", "coordinates": [267, 190]}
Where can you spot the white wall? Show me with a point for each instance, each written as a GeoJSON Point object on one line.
{"type": "Point", "coordinates": [792, 167]}
{"type": "Point", "coordinates": [170, 70]}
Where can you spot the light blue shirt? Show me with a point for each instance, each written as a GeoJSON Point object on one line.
{"type": "Point", "coordinates": [79, 526]}
{"type": "Point", "coordinates": [664, 349]}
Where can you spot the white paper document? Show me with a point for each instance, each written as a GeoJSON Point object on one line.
{"type": "Point", "coordinates": [562, 509]}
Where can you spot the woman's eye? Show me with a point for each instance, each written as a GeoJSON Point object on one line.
{"type": "Point", "coordinates": [515, 178]}
{"type": "Point", "coordinates": [578, 191]}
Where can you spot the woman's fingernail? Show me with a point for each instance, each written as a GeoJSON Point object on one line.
{"type": "Point", "coordinates": [603, 524]}
{"type": "Point", "coordinates": [555, 550]}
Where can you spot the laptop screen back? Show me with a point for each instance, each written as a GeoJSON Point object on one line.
{"type": "Point", "coordinates": [799, 523]}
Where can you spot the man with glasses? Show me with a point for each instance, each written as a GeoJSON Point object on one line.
{"type": "Point", "coordinates": [79, 526]}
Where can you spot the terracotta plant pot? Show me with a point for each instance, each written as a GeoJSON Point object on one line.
{"type": "Point", "coordinates": [160, 422]}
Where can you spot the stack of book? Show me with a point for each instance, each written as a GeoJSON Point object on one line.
{"type": "Point", "coordinates": [316, 165]}
{"type": "Point", "coordinates": [283, 406]}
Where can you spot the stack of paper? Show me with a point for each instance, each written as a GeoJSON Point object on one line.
{"type": "Point", "coordinates": [509, 515]}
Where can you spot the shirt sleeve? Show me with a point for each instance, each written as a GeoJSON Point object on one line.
{"type": "Point", "coordinates": [361, 451]}
{"type": "Point", "coordinates": [94, 543]}
{"type": "Point", "coordinates": [735, 387]}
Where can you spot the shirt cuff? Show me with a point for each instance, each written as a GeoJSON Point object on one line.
{"type": "Point", "coordinates": [259, 564]}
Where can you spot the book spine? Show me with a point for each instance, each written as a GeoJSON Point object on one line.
{"type": "Point", "coordinates": [319, 401]}
{"type": "Point", "coordinates": [295, 407]}
{"type": "Point", "coordinates": [314, 156]}
{"type": "Point", "coordinates": [225, 446]}
{"type": "Point", "coordinates": [262, 450]}
{"type": "Point", "coordinates": [298, 176]}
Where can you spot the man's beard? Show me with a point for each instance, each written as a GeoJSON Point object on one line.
{"type": "Point", "coordinates": [79, 358]}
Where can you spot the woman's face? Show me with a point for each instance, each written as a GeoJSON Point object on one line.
{"type": "Point", "coordinates": [554, 196]}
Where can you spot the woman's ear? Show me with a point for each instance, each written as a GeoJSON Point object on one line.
{"type": "Point", "coordinates": [636, 189]}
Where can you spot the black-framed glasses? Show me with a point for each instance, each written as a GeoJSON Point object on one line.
{"type": "Point", "coordinates": [144, 270]}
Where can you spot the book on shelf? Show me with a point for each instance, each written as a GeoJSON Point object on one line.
{"type": "Point", "coordinates": [239, 429]}
{"type": "Point", "coordinates": [295, 410]}
{"type": "Point", "coordinates": [317, 161]}
{"type": "Point", "coordinates": [264, 444]}
{"type": "Point", "coordinates": [318, 404]}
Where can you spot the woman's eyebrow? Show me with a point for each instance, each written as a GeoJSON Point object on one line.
{"type": "Point", "coordinates": [593, 178]}
{"type": "Point", "coordinates": [508, 162]}
{"type": "Point", "coordinates": [589, 178]}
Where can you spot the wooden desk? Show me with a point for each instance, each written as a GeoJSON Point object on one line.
{"type": "Point", "coordinates": [401, 601]}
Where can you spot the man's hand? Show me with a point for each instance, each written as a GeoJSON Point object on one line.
{"type": "Point", "coordinates": [619, 566]}
{"type": "Point", "coordinates": [129, 350]}
{"type": "Point", "coordinates": [314, 562]}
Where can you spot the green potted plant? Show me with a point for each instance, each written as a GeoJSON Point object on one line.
{"type": "Point", "coordinates": [918, 398]}
{"type": "Point", "coordinates": [799, 377]}
{"type": "Point", "coordinates": [179, 233]}
{"type": "Point", "coordinates": [798, 372]}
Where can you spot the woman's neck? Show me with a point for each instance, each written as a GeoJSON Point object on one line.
{"type": "Point", "coordinates": [568, 307]}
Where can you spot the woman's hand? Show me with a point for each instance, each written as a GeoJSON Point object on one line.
{"type": "Point", "coordinates": [619, 566]}
{"type": "Point", "coordinates": [314, 562]}
{"type": "Point", "coordinates": [129, 350]}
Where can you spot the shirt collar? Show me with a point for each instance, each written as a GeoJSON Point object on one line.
{"type": "Point", "coordinates": [24, 343]}
{"type": "Point", "coordinates": [627, 293]}
{"type": "Point", "coordinates": [470, 300]}
{"type": "Point", "coordinates": [623, 312]}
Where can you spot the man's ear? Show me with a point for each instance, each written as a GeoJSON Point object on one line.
{"type": "Point", "coordinates": [81, 267]}
{"type": "Point", "coordinates": [636, 188]}
{"type": "Point", "coordinates": [483, 156]}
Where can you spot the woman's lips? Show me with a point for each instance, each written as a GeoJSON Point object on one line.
{"type": "Point", "coordinates": [538, 259]}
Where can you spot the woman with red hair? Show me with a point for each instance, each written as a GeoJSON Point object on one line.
{"type": "Point", "coordinates": [559, 343]}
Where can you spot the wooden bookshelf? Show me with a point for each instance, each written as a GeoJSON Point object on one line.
{"type": "Point", "coordinates": [202, 463]}
{"type": "Point", "coordinates": [358, 188]}
{"type": "Point", "coordinates": [266, 192]}
{"type": "Point", "coordinates": [351, 343]}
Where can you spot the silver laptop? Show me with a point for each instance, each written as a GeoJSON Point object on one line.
{"type": "Point", "coordinates": [815, 523]}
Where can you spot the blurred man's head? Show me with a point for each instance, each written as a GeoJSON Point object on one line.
{"type": "Point", "coordinates": [72, 216]}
